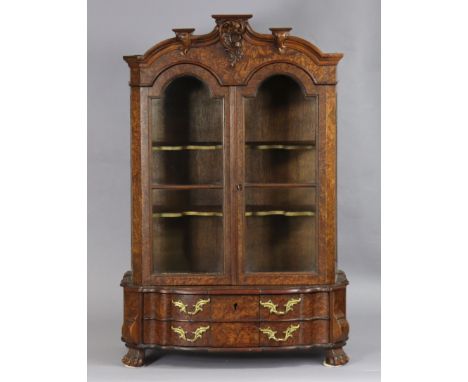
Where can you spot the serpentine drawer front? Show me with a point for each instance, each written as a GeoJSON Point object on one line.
{"type": "Point", "coordinates": [235, 334]}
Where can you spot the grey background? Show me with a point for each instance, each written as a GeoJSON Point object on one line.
{"type": "Point", "coordinates": [117, 28]}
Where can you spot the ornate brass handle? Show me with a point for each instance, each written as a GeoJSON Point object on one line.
{"type": "Point", "coordinates": [196, 334]}
{"type": "Point", "coordinates": [287, 333]}
{"type": "Point", "coordinates": [196, 308]}
{"type": "Point", "coordinates": [274, 307]}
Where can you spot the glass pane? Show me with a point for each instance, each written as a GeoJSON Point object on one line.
{"type": "Point", "coordinates": [278, 165]}
{"type": "Point", "coordinates": [280, 128]}
{"type": "Point", "coordinates": [187, 150]}
{"type": "Point", "coordinates": [280, 226]}
{"type": "Point", "coordinates": [280, 159]}
{"type": "Point", "coordinates": [187, 114]}
{"type": "Point", "coordinates": [187, 231]}
{"type": "Point", "coordinates": [188, 167]}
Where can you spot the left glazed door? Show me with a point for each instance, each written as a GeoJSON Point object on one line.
{"type": "Point", "coordinates": [188, 149]}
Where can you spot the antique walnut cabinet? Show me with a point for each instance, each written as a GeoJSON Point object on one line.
{"type": "Point", "coordinates": [234, 196]}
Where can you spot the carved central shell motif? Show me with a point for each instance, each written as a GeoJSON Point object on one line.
{"type": "Point", "coordinates": [231, 35]}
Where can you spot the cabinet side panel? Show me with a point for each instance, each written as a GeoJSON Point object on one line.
{"type": "Point", "coordinates": [131, 328]}
{"type": "Point", "coordinates": [136, 239]}
{"type": "Point", "coordinates": [327, 182]}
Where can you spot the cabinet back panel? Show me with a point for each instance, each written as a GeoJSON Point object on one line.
{"type": "Point", "coordinates": [280, 244]}
{"type": "Point", "coordinates": [280, 112]}
{"type": "Point", "coordinates": [188, 244]}
{"type": "Point", "coordinates": [187, 113]}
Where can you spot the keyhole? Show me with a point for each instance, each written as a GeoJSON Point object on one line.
{"type": "Point", "coordinates": [235, 306]}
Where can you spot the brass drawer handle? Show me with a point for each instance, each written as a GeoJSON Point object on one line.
{"type": "Point", "coordinates": [196, 308]}
{"type": "Point", "coordinates": [288, 333]}
{"type": "Point", "coordinates": [196, 334]}
{"type": "Point", "coordinates": [274, 307]}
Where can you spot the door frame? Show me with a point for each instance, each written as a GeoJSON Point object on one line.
{"type": "Point", "coordinates": [326, 179]}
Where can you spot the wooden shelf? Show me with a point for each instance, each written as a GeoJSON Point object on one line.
{"type": "Point", "coordinates": [280, 185]}
{"type": "Point", "coordinates": [279, 213]}
{"type": "Point", "coordinates": [186, 213]}
{"type": "Point", "coordinates": [263, 211]}
{"type": "Point", "coordinates": [185, 186]}
{"type": "Point", "coordinates": [285, 145]}
{"type": "Point", "coordinates": [188, 146]}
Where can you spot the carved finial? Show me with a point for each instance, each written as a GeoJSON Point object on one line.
{"type": "Point", "coordinates": [184, 35]}
{"type": "Point", "coordinates": [231, 30]}
{"type": "Point", "coordinates": [280, 35]}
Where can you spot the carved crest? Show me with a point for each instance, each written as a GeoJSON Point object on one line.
{"type": "Point", "coordinates": [280, 35]}
{"type": "Point", "coordinates": [231, 30]}
{"type": "Point", "coordinates": [184, 36]}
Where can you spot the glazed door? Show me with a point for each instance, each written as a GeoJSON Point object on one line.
{"type": "Point", "coordinates": [188, 158]}
{"type": "Point", "coordinates": [281, 206]}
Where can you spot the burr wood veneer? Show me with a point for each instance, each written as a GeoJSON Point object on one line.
{"type": "Point", "coordinates": [234, 196]}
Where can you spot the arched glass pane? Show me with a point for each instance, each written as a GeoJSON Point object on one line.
{"type": "Point", "coordinates": [280, 173]}
{"type": "Point", "coordinates": [187, 179]}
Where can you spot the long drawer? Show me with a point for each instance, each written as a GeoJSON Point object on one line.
{"type": "Point", "coordinates": [228, 308]}
{"type": "Point", "coordinates": [235, 334]}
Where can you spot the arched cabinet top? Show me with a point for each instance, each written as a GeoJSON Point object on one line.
{"type": "Point", "coordinates": [303, 79]}
{"type": "Point", "coordinates": [204, 75]}
{"type": "Point", "coordinates": [232, 52]}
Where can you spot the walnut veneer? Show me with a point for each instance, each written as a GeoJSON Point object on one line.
{"type": "Point", "coordinates": [234, 196]}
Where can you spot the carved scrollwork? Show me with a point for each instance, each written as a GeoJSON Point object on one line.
{"type": "Point", "coordinates": [231, 33]}
{"type": "Point", "coordinates": [184, 36]}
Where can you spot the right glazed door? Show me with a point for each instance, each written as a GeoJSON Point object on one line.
{"type": "Point", "coordinates": [279, 221]}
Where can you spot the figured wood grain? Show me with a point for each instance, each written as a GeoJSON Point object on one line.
{"type": "Point", "coordinates": [251, 101]}
{"type": "Point", "coordinates": [233, 308]}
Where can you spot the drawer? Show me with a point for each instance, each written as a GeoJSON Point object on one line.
{"type": "Point", "coordinates": [279, 307]}
{"type": "Point", "coordinates": [234, 308]}
{"type": "Point", "coordinates": [200, 307]}
{"type": "Point", "coordinates": [235, 334]}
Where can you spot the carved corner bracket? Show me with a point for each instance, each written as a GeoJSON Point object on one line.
{"type": "Point", "coordinates": [280, 35]}
{"type": "Point", "coordinates": [231, 30]}
{"type": "Point", "coordinates": [184, 36]}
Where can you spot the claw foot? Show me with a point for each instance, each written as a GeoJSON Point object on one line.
{"type": "Point", "coordinates": [134, 357]}
{"type": "Point", "coordinates": [335, 357]}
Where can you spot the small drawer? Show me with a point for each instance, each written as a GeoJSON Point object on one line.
{"type": "Point", "coordinates": [281, 333]}
{"type": "Point", "coordinates": [189, 333]}
{"type": "Point", "coordinates": [234, 308]}
{"type": "Point", "coordinates": [190, 307]}
{"type": "Point", "coordinates": [279, 307]}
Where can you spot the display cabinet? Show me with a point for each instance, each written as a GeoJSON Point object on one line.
{"type": "Point", "coordinates": [234, 196]}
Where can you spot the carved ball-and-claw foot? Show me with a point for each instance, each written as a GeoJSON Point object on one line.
{"type": "Point", "coordinates": [134, 357]}
{"type": "Point", "coordinates": [335, 357]}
